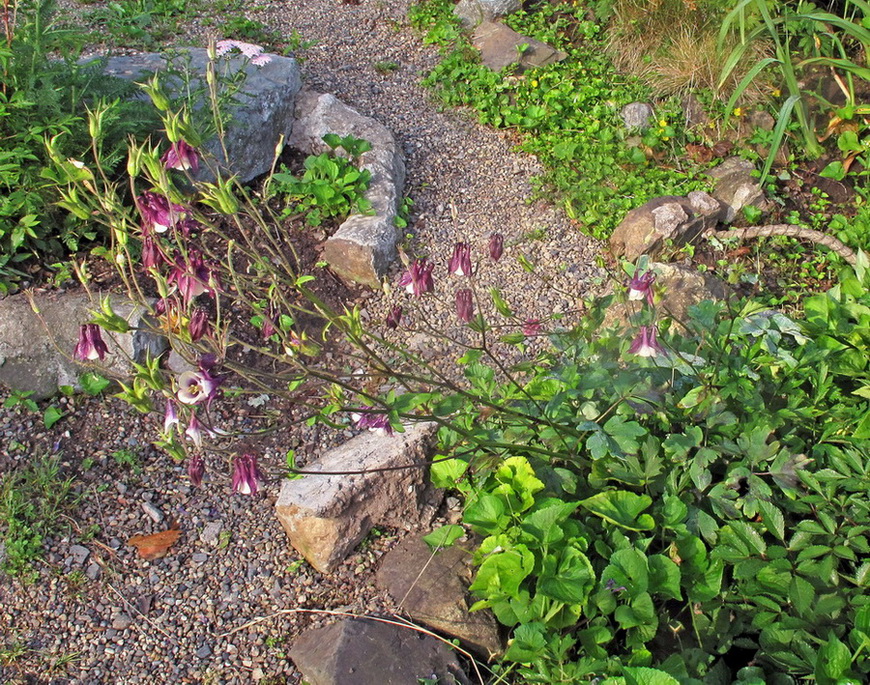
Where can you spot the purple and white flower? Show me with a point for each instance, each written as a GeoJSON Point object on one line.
{"type": "Point", "coordinates": [181, 156]}
{"type": "Point", "coordinates": [170, 416]}
{"type": "Point", "coordinates": [645, 343]}
{"type": "Point", "coordinates": [394, 318]}
{"type": "Point", "coordinates": [192, 276]}
{"type": "Point", "coordinates": [460, 262]}
{"type": "Point", "coordinates": [247, 479]}
{"type": "Point", "coordinates": [465, 304]}
{"type": "Point", "coordinates": [377, 422]}
{"type": "Point", "coordinates": [195, 469]}
{"type": "Point", "coordinates": [496, 246]}
{"type": "Point", "coordinates": [90, 345]}
{"type": "Point", "coordinates": [640, 287]}
{"type": "Point", "coordinates": [531, 327]}
{"type": "Point", "coordinates": [196, 387]}
{"type": "Point", "coordinates": [250, 50]}
{"type": "Point", "coordinates": [195, 430]}
{"type": "Point", "coordinates": [418, 278]}
{"type": "Point", "coordinates": [157, 212]}
{"type": "Point", "coordinates": [199, 325]}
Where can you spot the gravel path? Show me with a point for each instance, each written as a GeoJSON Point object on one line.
{"type": "Point", "coordinates": [99, 613]}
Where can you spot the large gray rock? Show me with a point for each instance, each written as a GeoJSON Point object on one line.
{"type": "Point", "coordinates": [432, 589]}
{"type": "Point", "coordinates": [367, 652]}
{"type": "Point", "coordinates": [680, 220]}
{"type": "Point", "coordinates": [473, 12]}
{"type": "Point", "coordinates": [364, 246]}
{"type": "Point", "coordinates": [736, 188]}
{"type": "Point", "coordinates": [263, 112]}
{"type": "Point", "coordinates": [327, 516]}
{"type": "Point", "coordinates": [36, 349]}
{"type": "Point", "coordinates": [501, 46]}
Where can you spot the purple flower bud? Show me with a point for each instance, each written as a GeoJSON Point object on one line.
{"type": "Point", "coordinates": [151, 254]}
{"type": "Point", "coordinates": [464, 305]}
{"type": "Point", "coordinates": [194, 431]}
{"type": "Point", "coordinates": [460, 262]}
{"type": "Point", "coordinates": [195, 469]}
{"type": "Point", "coordinates": [645, 343]}
{"type": "Point", "coordinates": [246, 475]}
{"type": "Point", "coordinates": [418, 278]}
{"type": "Point", "coordinates": [377, 422]}
{"type": "Point", "coordinates": [90, 345]}
{"type": "Point", "coordinates": [195, 387]}
{"type": "Point", "coordinates": [531, 327]}
{"type": "Point", "coordinates": [181, 156]}
{"type": "Point", "coordinates": [496, 246]}
{"type": "Point", "coordinates": [157, 212]}
{"type": "Point", "coordinates": [640, 287]}
{"type": "Point", "coordinates": [394, 318]}
{"type": "Point", "coordinates": [170, 417]}
{"type": "Point", "coordinates": [199, 325]}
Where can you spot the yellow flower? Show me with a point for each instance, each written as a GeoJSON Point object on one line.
{"type": "Point", "coordinates": [662, 123]}
{"type": "Point", "coordinates": [738, 111]}
{"type": "Point", "coordinates": [666, 138]}
{"type": "Point", "coordinates": [776, 92]}
{"type": "Point", "coordinates": [534, 84]}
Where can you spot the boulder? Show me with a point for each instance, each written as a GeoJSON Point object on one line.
{"type": "Point", "coordinates": [636, 115]}
{"type": "Point", "coordinates": [364, 246]}
{"type": "Point", "coordinates": [327, 516]}
{"type": "Point", "coordinates": [680, 220]}
{"type": "Point", "coordinates": [501, 46]}
{"type": "Point", "coordinates": [36, 349]}
{"type": "Point", "coordinates": [736, 188]}
{"type": "Point", "coordinates": [432, 589]}
{"type": "Point", "coordinates": [360, 651]}
{"type": "Point", "coordinates": [263, 111]}
{"type": "Point", "coordinates": [473, 12]}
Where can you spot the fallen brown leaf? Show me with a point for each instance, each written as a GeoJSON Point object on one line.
{"type": "Point", "coordinates": [156, 545]}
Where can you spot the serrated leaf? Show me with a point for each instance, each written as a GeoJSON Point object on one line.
{"type": "Point", "coordinates": [773, 519]}
{"type": "Point", "coordinates": [801, 594]}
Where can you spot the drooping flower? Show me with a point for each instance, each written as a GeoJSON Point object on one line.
{"type": "Point", "coordinates": [195, 469]}
{"type": "Point", "coordinates": [394, 318]}
{"type": "Point", "coordinates": [181, 156]}
{"type": "Point", "coordinates": [194, 430]}
{"type": "Point", "coordinates": [199, 325]}
{"type": "Point", "coordinates": [246, 475]}
{"type": "Point", "coordinates": [531, 327]}
{"type": "Point", "coordinates": [645, 343]}
{"type": "Point", "coordinates": [151, 254]}
{"type": "Point", "coordinates": [496, 246]}
{"type": "Point", "coordinates": [250, 50]}
{"type": "Point", "coordinates": [418, 278]}
{"type": "Point", "coordinates": [90, 345]}
{"type": "Point", "coordinates": [460, 262]}
{"type": "Point", "coordinates": [170, 416]}
{"type": "Point", "coordinates": [157, 212]}
{"type": "Point", "coordinates": [195, 387]}
{"type": "Point", "coordinates": [192, 276]}
{"type": "Point", "coordinates": [640, 287]}
{"type": "Point", "coordinates": [464, 304]}
{"type": "Point", "coordinates": [377, 422]}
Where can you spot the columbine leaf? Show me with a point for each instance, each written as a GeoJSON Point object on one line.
{"type": "Point", "coordinates": [621, 508]}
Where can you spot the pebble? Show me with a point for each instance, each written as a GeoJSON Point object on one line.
{"type": "Point", "coordinates": [210, 534]}
{"type": "Point", "coordinates": [204, 652]}
{"type": "Point", "coordinates": [152, 511]}
{"type": "Point", "coordinates": [200, 558]}
{"type": "Point", "coordinates": [79, 554]}
{"type": "Point", "coordinates": [121, 622]}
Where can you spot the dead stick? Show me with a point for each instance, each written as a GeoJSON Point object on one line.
{"type": "Point", "coordinates": [791, 231]}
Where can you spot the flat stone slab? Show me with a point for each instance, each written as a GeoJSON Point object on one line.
{"type": "Point", "coordinates": [364, 246]}
{"type": "Point", "coordinates": [432, 589]}
{"type": "Point", "coordinates": [327, 516]}
{"type": "Point", "coordinates": [36, 349]}
{"type": "Point", "coordinates": [500, 45]}
{"type": "Point", "coordinates": [367, 652]}
{"type": "Point", "coordinates": [263, 112]}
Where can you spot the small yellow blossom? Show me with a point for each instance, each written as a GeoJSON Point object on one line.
{"type": "Point", "coordinates": [534, 83]}
{"type": "Point", "coordinates": [662, 123]}
{"type": "Point", "coordinates": [666, 138]}
{"type": "Point", "coordinates": [776, 92]}
{"type": "Point", "coordinates": [738, 111]}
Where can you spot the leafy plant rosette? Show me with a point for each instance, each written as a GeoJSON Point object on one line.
{"type": "Point", "coordinates": [697, 511]}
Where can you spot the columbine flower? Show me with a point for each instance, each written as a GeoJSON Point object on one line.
{"type": "Point", "coordinates": [375, 421]}
{"type": "Point", "coordinates": [640, 287]}
{"type": "Point", "coordinates": [394, 318]}
{"type": "Point", "coordinates": [90, 345]}
{"type": "Point", "coordinates": [246, 475]}
{"type": "Point", "coordinates": [194, 430]}
{"type": "Point", "coordinates": [151, 254]}
{"type": "Point", "coordinates": [195, 387]}
{"type": "Point", "coordinates": [460, 262]}
{"type": "Point", "coordinates": [464, 305]}
{"type": "Point", "coordinates": [531, 327]}
{"type": "Point", "coordinates": [496, 246]}
{"type": "Point", "coordinates": [158, 212]}
{"type": "Point", "coordinates": [199, 325]}
{"type": "Point", "coordinates": [418, 278]}
{"type": "Point", "coordinates": [195, 469]}
{"type": "Point", "coordinates": [170, 417]}
{"type": "Point", "coordinates": [192, 277]}
{"type": "Point", "coordinates": [645, 344]}
{"type": "Point", "coordinates": [181, 156]}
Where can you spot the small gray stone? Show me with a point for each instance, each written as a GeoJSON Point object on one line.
{"type": "Point", "coordinates": [121, 622]}
{"type": "Point", "coordinates": [153, 512]}
{"type": "Point", "coordinates": [79, 554]}
{"type": "Point", "coordinates": [636, 115]}
{"type": "Point", "coordinates": [473, 12]}
{"type": "Point", "coordinates": [501, 46]}
{"type": "Point", "coordinates": [200, 558]}
{"type": "Point", "coordinates": [210, 534]}
{"type": "Point", "coordinates": [736, 188]}
{"type": "Point", "coordinates": [93, 571]}
{"type": "Point", "coordinates": [204, 652]}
